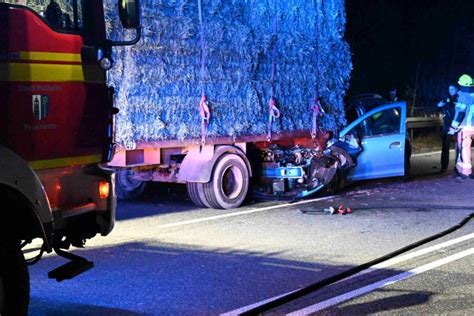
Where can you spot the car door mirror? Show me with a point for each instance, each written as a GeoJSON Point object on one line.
{"type": "Point", "coordinates": [129, 12]}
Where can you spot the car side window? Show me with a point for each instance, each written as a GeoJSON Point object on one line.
{"type": "Point", "coordinates": [385, 122]}
{"type": "Point", "coordinates": [380, 123]}
{"type": "Point", "coordinates": [359, 130]}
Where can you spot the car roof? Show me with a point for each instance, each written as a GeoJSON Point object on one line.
{"type": "Point", "coordinates": [366, 101]}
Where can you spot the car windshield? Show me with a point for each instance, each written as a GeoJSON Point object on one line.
{"type": "Point", "coordinates": [65, 15]}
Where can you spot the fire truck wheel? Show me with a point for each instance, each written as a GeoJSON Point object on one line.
{"type": "Point", "coordinates": [197, 195]}
{"type": "Point", "coordinates": [14, 280]}
{"type": "Point", "coordinates": [229, 183]}
{"type": "Point", "coordinates": [126, 187]}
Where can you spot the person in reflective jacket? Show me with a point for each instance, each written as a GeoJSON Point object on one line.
{"type": "Point", "coordinates": [464, 123]}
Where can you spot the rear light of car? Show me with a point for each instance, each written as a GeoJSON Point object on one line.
{"type": "Point", "coordinates": [104, 189]}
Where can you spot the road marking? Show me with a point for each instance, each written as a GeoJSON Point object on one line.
{"type": "Point", "coordinates": [249, 307]}
{"type": "Point", "coordinates": [256, 210]}
{"type": "Point", "coordinates": [374, 286]}
{"type": "Point", "coordinates": [429, 154]}
{"type": "Point", "coordinates": [415, 254]}
{"type": "Point", "coordinates": [385, 264]}
{"type": "Point", "coordinates": [161, 252]}
{"type": "Point", "coordinates": [200, 220]}
{"type": "Point", "coordinates": [291, 266]}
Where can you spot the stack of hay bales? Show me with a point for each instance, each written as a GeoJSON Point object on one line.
{"type": "Point", "coordinates": [159, 81]}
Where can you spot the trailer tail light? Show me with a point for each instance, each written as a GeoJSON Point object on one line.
{"type": "Point", "coordinates": [104, 189]}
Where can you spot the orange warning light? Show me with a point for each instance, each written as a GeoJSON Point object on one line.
{"type": "Point", "coordinates": [104, 189]}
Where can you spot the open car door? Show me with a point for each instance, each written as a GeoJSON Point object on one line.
{"type": "Point", "coordinates": [382, 135]}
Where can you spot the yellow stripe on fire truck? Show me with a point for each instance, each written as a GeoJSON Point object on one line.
{"type": "Point", "coordinates": [44, 56]}
{"type": "Point", "coordinates": [65, 162]}
{"type": "Point", "coordinates": [37, 72]}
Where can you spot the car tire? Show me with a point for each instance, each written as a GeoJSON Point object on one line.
{"type": "Point", "coordinates": [334, 186]}
{"type": "Point", "coordinates": [127, 188]}
{"type": "Point", "coordinates": [197, 195]}
{"type": "Point", "coordinates": [229, 182]}
{"type": "Point", "coordinates": [407, 164]}
{"type": "Point", "coordinates": [14, 280]}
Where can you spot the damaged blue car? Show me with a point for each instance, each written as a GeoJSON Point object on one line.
{"type": "Point", "coordinates": [373, 145]}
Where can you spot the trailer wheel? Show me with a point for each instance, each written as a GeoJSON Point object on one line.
{"type": "Point", "coordinates": [229, 183]}
{"type": "Point", "coordinates": [197, 195]}
{"type": "Point", "coordinates": [126, 187]}
{"type": "Point", "coordinates": [14, 280]}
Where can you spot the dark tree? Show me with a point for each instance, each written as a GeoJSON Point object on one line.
{"type": "Point", "coordinates": [418, 46]}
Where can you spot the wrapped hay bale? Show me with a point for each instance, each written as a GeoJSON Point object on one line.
{"type": "Point", "coordinates": [239, 53]}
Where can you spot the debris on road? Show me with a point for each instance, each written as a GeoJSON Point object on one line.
{"type": "Point", "coordinates": [341, 210]}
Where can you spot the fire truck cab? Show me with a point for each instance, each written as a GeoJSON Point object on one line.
{"type": "Point", "coordinates": [56, 134]}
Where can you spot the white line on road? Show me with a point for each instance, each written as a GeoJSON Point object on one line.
{"type": "Point", "coordinates": [418, 253]}
{"type": "Point", "coordinates": [256, 210]}
{"type": "Point", "coordinates": [374, 286]}
{"type": "Point", "coordinates": [249, 307]}
{"type": "Point", "coordinates": [385, 264]}
{"type": "Point", "coordinates": [290, 266]}
{"type": "Point", "coordinates": [429, 154]}
{"type": "Point", "coordinates": [204, 219]}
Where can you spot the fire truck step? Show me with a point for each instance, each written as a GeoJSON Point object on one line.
{"type": "Point", "coordinates": [70, 270]}
{"type": "Point", "coordinates": [73, 268]}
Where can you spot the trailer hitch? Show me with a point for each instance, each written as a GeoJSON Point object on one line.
{"type": "Point", "coordinates": [77, 265]}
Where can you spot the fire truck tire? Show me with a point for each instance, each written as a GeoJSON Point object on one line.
{"type": "Point", "coordinates": [14, 280]}
{"type": "Point", "coordinates": [197, 195]}
{"type": "Point", "coordinates": [126, 187]}
{"type": "Point", "coordinates": [229, 182]}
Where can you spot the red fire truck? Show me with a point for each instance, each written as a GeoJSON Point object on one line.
{"type": "Point", "coordinates": [56, 133]}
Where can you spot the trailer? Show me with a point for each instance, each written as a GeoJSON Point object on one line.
{"type": "Point", "coordinates": [232, 97]}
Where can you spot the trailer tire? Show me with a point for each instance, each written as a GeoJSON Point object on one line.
{"type": "Point", "coordinates": [14, 280]}
{"type": "Point", "coordinates": [126, 187]}
{"type": "Point", "coordinates": [197, 195]}
{"type": "Point", "coordinates": [229, 182]}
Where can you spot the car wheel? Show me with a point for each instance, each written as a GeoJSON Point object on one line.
{"type": "Point", "coordinates": [229, 183]}
{"type": "Point", "coordinates": [14, 280]}
{"type": "Point", "coordinates": [334, 185]}
{"type": "Point", "coordinates": [407, 164]}
{"type": "Point", "coordinates": [127, 187]}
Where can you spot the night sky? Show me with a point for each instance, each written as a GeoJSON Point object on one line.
{"type": "Point", "coordinates": [394, 40]}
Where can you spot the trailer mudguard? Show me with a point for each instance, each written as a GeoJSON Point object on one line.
{"type": "Point", "coordinates": [199, 162]}
{"type": "Point", "coordinates": [17, 174]}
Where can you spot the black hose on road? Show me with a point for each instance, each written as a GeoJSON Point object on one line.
{"type": "Point", "coordinates": [338, 277]}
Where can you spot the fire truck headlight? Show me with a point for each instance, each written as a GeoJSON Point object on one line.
{"type": "Point", "coordinates": [104, 189]}
{"type": "Point", "coordinates": [106, 63]}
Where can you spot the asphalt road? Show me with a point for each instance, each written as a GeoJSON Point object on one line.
{"type": "Point", "coordinates": [167, 257]}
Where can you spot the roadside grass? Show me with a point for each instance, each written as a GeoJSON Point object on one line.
{"type": "Point", "coordinates": [427, 142]}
